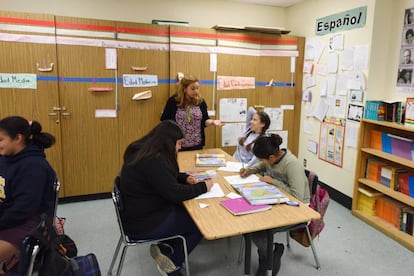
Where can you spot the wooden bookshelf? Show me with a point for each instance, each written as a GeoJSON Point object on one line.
{"type": "Point", "coordinates": [364, 153]}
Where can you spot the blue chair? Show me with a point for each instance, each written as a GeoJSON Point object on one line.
{"type": "Point", "coordinates": [126, 242]}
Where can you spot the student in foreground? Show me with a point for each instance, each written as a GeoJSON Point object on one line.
{"type": "Point", "coordinates": [26, 182]}
{"type": "Point", "coordinates": [189, 110]}
{"type": "Point", "coordinates": [153, 190]}
{"type": "Point", "coordinates": [282, 169]}
{"type": "Point", "coordinates": [257, 122]}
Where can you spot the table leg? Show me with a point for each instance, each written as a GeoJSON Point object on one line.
{"type": "Point", "coordinates": [269, 255]}
{"type": "Point", "coordinates": [247, 253]}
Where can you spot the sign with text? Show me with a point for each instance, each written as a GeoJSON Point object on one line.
{"type": "Point", "coordinates": [346, 20]}
{"type": "Point", "coordinates": [22, 81]}
{"type": "Point", "coordinates": [231, 82]}
{"type": "Point", "coordinates": [131, 80]}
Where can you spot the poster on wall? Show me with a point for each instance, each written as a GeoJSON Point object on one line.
{"type": "Point", "coordinates": [406, 62]}
{"type": "Point", "coordinates": [331, 143]}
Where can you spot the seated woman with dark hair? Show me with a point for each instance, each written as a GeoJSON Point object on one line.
{"type": "Point", "coordinates": [26, 182]}
{"type": "Point", "coordinates": [153, 190]}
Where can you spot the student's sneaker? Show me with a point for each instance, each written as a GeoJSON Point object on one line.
{"type": "Point", "coordinates": [176, 272]}
{"type": "Point", "coordinates": [164, 263]}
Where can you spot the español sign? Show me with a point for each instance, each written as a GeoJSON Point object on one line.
{"type": "Point", "coordinates": [346, 20]}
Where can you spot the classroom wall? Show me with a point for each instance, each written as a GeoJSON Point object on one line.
{"type": "Point", "coordinates": [382, 33]}
{"type": "Point", "coordinates": [199, 13]}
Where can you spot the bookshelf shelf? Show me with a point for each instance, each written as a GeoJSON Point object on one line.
{"type": "Point", "coordinates": [364, 153]}
{"type": "Point", "coordinates": [386, 228]}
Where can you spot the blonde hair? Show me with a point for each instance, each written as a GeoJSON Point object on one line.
{"type": "Point", "coordinates": [182, 85]}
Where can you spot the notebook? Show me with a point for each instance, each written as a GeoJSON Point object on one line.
{"type": "Point", "coordinates": [240, 206]}
{"type": "Point", "coordinates": [210, 160]}
{"type": "Point", "coordinates": [265, 194]}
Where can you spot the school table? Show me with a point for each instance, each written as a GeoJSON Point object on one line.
{"type": "Point", "coordinates": [215, 222]}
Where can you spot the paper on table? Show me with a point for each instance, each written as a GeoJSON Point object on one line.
{"type": "Point", "coordinates": [231, 167]}
{"type": "Point", "coordinates": [237, 179]}
{"type": "Point", "coordinates": [215, 191]}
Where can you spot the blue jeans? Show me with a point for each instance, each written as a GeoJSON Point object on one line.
{"type": "Point", "coordinates": [178, 222]}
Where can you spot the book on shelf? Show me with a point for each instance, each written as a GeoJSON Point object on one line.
{"type": "Point", "coordinates": [409, 112]}
{"type": "Point", "coordinates": [393, 111]}
{"type": "Point", "coordinates": [390, 210]}
{"type": "Point", "coordinates": [389, 176]}
{"type": "Point", "coordinates": [264, 194]}
{"type": "Point", "coordinates": [373, 169]}
{"type": "Point", "coordinates": [210, 160]}
{"type": "Point", "coordinates": [240, 206]}
{"type": "Point", "coordinates": [202, 175]}
{"type": "Point", "coordinates": [374, 110]}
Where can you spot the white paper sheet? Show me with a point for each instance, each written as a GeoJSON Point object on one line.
{"type": "Point", "coordinates": [237, 179]}
{"type": "Point", "coordinates": [231, 167]}
{"type": "Point", "coordinates": [215, 191]}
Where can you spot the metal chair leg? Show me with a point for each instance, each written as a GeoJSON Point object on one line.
{"type": "Point", "coordinates": [118, 246]}
{"type": "Point", "coordinates": [315, 256]}
{"type": "Point", "coordinates": [121, 261]}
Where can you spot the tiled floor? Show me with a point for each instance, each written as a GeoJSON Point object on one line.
{"type": "Point", "coordinates": [347, 246]}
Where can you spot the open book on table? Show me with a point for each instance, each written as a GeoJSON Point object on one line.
{"type": "Point", "coordinates": [263, 194]}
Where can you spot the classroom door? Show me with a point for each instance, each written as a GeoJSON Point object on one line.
{"type": "Point", "coordinates": [29, 48]}
{"type": "Point", "coordinates": [88, 102]}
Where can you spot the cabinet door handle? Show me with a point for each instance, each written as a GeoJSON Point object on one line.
{"type": "Point", "coordinates": [52, 113]}
{"type": "Point", "coordinates": [66, 114]}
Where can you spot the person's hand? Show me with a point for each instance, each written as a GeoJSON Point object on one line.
{"type": "Point", "coordinates": [218, 123]}
{"type": "Point", "coordinates": [191, 180]}
{"type": "Point", "coordinates": [266, 179]}
{"type": "Point", "coordinates": [209, 184]}
{"type": "Point", "coordinates": [244, 172]}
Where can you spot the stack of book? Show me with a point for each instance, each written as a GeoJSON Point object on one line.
{"type": "Point", "coordinates": [390, 210]}
{"type": "Point", "coordinates": [407, 223]}
{"type": "Point", "coordinates": [367, 199]}
{"type": "Point", "coordinates": [210, 160]}
{"type": "Point", "coordinates": [202, 175]}
{"type": "Point", "coordinates": [263, 194]}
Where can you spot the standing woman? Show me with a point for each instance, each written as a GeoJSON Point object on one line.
{"type": "Point", "coordinates": [26, 181]}
{"type": "Point", "coordinates": [256, 125]}
{"type": "Point", "coordinates": [153, 190]}
{"type": "Point", "coordinates": [189, 110]}
{"type": "Point", "coordinates": [281, 168]}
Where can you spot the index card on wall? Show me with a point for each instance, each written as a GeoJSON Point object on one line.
{"type": "Point", "coordinates": [276, 118]}
{"type": "Point", "coordinates": [110, 58]}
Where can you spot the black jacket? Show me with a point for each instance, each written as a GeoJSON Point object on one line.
{"type": "Point", "coordinates": [27, 179]}
{"type": "Point", "coordinates": [149, 191]}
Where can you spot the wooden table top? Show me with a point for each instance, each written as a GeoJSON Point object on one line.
{"type": "Point", "coordinates": [216, 222]}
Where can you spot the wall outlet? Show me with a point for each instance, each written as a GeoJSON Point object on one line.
{"type": "Point", "coordinates": [305, 162]}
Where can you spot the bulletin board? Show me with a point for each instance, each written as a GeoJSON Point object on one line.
{"type": "Point", "coordinates": [331, 143]}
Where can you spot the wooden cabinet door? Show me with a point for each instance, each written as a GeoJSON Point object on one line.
{"type": "Point", "coordinates": [145, 51]}
{"type": "Point", "coordinates": [91, 142]}
{"type": "Point", "coordinates": [27, 46]}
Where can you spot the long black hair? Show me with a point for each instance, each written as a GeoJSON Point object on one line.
{"type": "Point", "coordinates": [267, 145]}
{"type": "Point", "coordinates": [265, 119]}
{"type": "Point", "coordinates": [32, 132]}
{"type": "Point", "coordinates": [161, 140]}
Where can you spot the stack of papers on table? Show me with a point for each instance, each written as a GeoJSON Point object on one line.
{"type": "Point", "coordinates": [210, 160]}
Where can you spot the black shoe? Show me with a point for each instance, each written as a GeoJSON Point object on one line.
{"type": "Point", "coordinates": [277, 255]}
{"type": "Point", "coordinates": [261, 270]}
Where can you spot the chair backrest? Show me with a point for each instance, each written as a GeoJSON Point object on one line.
{"type": "Point", "coordinates": [117, 200]}
{"type": "Point", "coordinates": [313, 181]}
